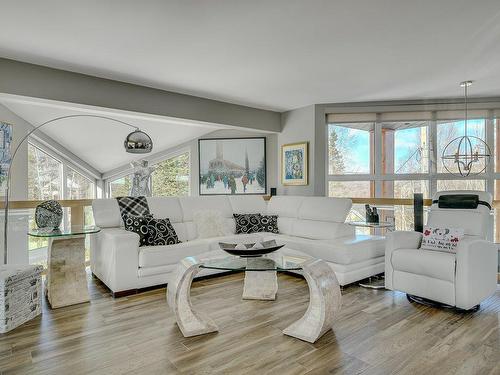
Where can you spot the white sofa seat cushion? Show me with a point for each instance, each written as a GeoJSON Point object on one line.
{"type": "Point", "coordinates": [434, 264]}
{"type": "Point", "coordinates": [320, 230]}
{"type": "Point", "coordinates": [345, 250]}
{"type": "Point", "coordinates": [153, 256]}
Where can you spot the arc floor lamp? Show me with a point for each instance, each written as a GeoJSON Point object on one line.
{"type": "Point", "coordinates": [137, 142]}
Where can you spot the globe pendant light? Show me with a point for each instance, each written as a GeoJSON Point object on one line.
{"type": "Point", "coordinates": [466, 155]}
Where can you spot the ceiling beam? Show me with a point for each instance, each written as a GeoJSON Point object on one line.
{"type": "Point", "coordinates": [38, 81]}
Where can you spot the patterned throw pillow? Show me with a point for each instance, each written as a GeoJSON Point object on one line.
{"type": "Point", "coordinates": [269, 223]}
{"type": "Point", "coordinates": [136, 206]}
{"type": "Point", "coordinates": [441, 239]}
{"type": "Point", "coordinates": [138, 224]}
{"type": "Point", "coordinates": [151, 231]}
{"type": "Point", "coordinates": [161, 232]}
{"type": "Point", "coordinates": [247, 223]}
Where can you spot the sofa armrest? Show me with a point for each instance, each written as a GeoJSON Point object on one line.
{"type": "Point", "coordinates": [115, 258]}
{"type": "Point", "coordinates": [476, 272]}
{"type": "Point", "coordinates": [398, 240]}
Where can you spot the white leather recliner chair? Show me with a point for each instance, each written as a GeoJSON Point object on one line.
{"type": "Point", "coordinates": [462, 279]}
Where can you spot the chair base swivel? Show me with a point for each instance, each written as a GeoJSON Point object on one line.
{"type": "Point", "coordinates": [428, 302]}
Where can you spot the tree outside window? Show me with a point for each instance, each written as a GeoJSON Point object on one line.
{"type": "Point", "coordinates": [171, 177]}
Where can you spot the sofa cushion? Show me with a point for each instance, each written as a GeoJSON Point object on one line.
{"type": "Point", "coordinates": [138, 225]}
{"type": "Point", "coordinates": [321, 230]}
{"type": "Point", "coordinates": [434, 264]}
{"type": "Point", "coordinates": [252, 204]}
{"type": "Point", "coordinates": [325, 209]}
{"type": "Point", "coordinates": [166, 207]}
{"type": "Point", "coordinates": [344, 250]}
{"type": "Point", "coordinates": [153, 256]}
{"type": "Point", "coordinates": [191, 204]}
{"type": "Point", "coordinates": [284, 206]}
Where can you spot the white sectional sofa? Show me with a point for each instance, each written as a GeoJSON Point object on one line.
{"type": "Point", "coordinates": [309, 226]}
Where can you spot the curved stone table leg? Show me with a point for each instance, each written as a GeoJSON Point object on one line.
{"type": "Point", "coordinates": [190, 322]}
{"type": "Point", "coordinates": [260, 285]}
{"type": "Point", "coordinates": [324, 302]}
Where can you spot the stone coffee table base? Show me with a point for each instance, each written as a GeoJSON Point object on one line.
{"type": "Point", "coordinates": [324, 299]}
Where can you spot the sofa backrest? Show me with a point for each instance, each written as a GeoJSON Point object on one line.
{"type": "Point", "coordinates": [473, 221]}
{"type": "Point", "coordinates": [308, 217]}
{"type": "Point", "coordinates": [318, 218]}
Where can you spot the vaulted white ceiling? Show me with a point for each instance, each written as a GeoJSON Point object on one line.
{"type": "Point", "coordinates": [278, 54]}
{"type": "Point", "coordinates": [99, 142]}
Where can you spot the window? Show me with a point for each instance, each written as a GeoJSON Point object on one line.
{"type": "Point", "coordinates": [120, 187]}
{"type": "Point", "coordinates": [78, 186]}
{"type": "Point", "coordinates": [405, 147]}
{"type": "Point", "coordinates": [171, 177]}
{"type": "Point", "coordinates": [349, 148]}
{"type": "Point", "coordinates": [44, 175]}
{"type": "Point", "coordinates": [398, 154]}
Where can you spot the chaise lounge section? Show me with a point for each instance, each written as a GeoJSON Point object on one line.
{"type": "Point", "coordinates": [309, 226]}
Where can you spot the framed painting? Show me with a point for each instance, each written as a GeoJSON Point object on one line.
{"type": "Point", "coordinates": [232, 166]}
{"type": "Point", "coordinates": [5, 157]}
{"type": "Point", "coordinates": [294, 164]}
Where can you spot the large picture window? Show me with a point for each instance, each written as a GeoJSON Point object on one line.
{"type": "Point", "coordinates": [379, 156]}
{"type": "Point", "coordinates": [171, 177]}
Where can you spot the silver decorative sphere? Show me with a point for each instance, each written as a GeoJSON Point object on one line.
{"type": "Point", "coordinates": [466, 156]}
{"type": "Point", "coordinates": [49, 214]}
{"type": "Point", "coordinates": [138, 142]}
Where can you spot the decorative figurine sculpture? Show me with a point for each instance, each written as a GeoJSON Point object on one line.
{"type": "Point", "coordinates": [371, 214]}
{"type": "Point", "coordinates": [141, 178]}
{"type": "Point", "coordinates": [48, 214]}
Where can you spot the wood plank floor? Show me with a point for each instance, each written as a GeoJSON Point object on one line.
{"type": "Point", "coordinates": [377, 332]}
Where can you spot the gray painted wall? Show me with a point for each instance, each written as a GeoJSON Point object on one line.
{"type": "Point", "coordinates": [20, 78]}
{"type": "Point", "coordinates": [298, 125]}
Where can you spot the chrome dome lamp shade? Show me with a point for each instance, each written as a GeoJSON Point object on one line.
{"type": "Point", "coordinates": [466, 155]}
{"type": "Point", "coordinates": [138, 142]}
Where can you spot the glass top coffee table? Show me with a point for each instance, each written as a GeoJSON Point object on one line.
{"type": "Point", "coordinates": [260, 283]}
{"type": "Point", "coordinates": [66, 281]}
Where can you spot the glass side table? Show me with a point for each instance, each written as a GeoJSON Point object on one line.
{"type": "Point", "coordinates": [260, 284]}
{"type": "Point", "coordinates": [66, 282]}
{"type": "Point", "coordinates": [377, 281]}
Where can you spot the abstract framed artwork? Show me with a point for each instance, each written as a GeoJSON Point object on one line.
{"type": "Point", "coordinates": [294, 164]}
{"type": "Point", "coordinates": [232, 166]}
{"type": "Point", "coordinates": [5, 157]}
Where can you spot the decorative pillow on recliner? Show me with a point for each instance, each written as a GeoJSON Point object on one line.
{"type": "Point", "coordinates": [269, 223]}
{"type": "Point", "coordinates": [151, 231]}
{"type": "Point", "coordinates": [248, 223]}
{"type": "Point", "coordinates": [441, 239]}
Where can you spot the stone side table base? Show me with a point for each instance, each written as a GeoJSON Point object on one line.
{"type": "Point", "coordinates": [190, 321]}
{"type": "Point", "coordinates": [324, 302]}
{"type": "Point", "coordinates": [260, 285]}
{"type": "Point", "coordinates": [66, 282]}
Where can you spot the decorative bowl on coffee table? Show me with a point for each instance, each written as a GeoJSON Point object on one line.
{"type": "Point", "coordinates": [250, 251]}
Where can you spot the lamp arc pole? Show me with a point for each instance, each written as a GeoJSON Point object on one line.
{"type": "Point", "coordinates": [9, 173]}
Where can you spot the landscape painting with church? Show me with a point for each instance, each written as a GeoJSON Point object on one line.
{"type": "Point", "coordinates": [232, 166]}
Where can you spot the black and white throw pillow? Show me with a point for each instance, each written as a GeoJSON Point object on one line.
{"type": "Point", "coordinates": [161, 232]}
{"type": "Point", "coordinates": [269, 223]}
{"type": "Point", "coordinates": [247, 223]}
{"type": "Point", "coordinates": [136, 206]}
{"type": "Point", "coordinates": [151, 231]}
{"type": "Point", "coordinates": [138, 224]}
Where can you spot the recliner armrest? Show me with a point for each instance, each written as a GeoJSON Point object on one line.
{"type": "Point", "coordinates": [476, 271]}
{"type": "Point", "coordinates": [398, 240]}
